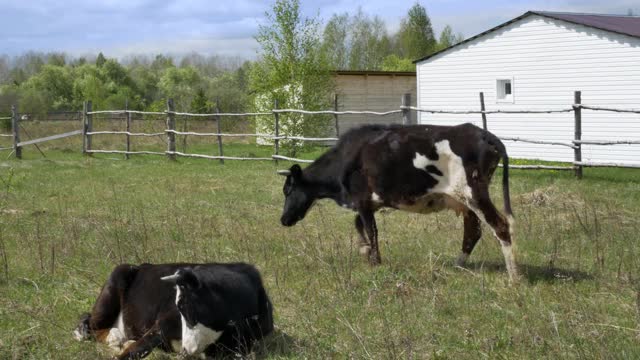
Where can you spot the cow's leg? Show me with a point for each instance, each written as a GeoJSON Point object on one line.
{"type": "Point", "coordinates": [369, 224]}
{"type": "Point", "coordinates": [364, 246]}
{"type": "Point", "coordinates": [472, 233]}
{"type": "Point", "coordinates": [163, 333]}
{"type": "Point", "coordinates": [502, 228]}
{"type": "Point", "coordinates": [101, 324]}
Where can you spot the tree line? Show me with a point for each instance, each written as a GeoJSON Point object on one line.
{"type": "Point", "coordinates": [295, 53]}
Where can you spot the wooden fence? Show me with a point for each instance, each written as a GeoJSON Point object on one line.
{"type": "Point", "coordinates": [170, 132]}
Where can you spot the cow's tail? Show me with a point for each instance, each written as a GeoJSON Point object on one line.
{"type": "Point", "coordinates": [502, 150]}
{"type": "Point", "coordinates": [505, 184]}
{"type": "Point", "coordinates": [265, 313]}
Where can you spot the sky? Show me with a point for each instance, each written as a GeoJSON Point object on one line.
{"type": "Point", "coordinates": [126, 27]}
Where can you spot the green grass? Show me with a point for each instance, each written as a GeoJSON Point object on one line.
{"type": "Point", "coordinates": [66, 221]}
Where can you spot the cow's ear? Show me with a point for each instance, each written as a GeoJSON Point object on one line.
{"type": "Point", "coordinates": [188, 279]}
{"type": "Point", "coordinates": [296, 172]}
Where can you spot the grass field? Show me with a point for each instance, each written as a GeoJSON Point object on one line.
{"type": "Point", "coordinates": [66, 221]}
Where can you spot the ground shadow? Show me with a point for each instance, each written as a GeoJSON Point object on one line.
{"type": "Point", "coordinates": [277, 344]}
{"type": "Point", "coordinates": [533, 273]}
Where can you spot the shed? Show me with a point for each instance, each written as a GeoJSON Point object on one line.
{"type": "Point", "coordinates": [536, 62]}
{"type": "Point", "coordinates": [378, 91]}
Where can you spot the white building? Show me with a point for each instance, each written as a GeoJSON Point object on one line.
{"type": "Point", "coordinates": [537, 61]}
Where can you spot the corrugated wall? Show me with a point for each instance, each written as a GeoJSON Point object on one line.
{"type": "Point", "coordinates": [378, 93]}
{"type": "Point", "coordinates": [547, 60]}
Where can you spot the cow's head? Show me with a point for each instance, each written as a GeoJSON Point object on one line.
{"type": "Point", "coordinates": [298, 196]}
{"type": "Point", "coordinates": [199, 308]}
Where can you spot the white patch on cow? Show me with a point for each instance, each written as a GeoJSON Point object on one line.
{"type": "Point", "coordinates": [376, 198]}
{"type": "Point", "coordinates": [451, 191]}
{"type": "Point", "coordinates": [178, 294]}
{"type": "Point", "coordinates": [197, 338]}
{"type": "Point", "coordinates": [462, 259]}
{"type": "Point", "coordinates": [453, 180]}
{"type": "Point", "coordinates": [421, 162]}
{"type": "Point", "coordinates": [364, 250]}
{"type": "Point", "coordinates": [117, 337]}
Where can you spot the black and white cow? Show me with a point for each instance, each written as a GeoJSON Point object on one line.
{"type": "Point", "coordinates": [195, 309]}
{"type": "Point", "coordinates": [419, 169]}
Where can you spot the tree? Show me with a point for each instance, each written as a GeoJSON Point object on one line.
{"type": "Point", "coordinates": [394, 63]}
{"type": "Point", "coordinates": [100, 60]}
{"type": "Point", "coordinates": [200, 104]}
{"type": "Point", "coordinates": [334, 42]}
{"type": "Point", "coordinates": [415, 37]}
{"type": "Point", "coordinates": [181, 85]}
{"type": "Point", "coordinates": [291, 69]}
{"type": "Point", "coordinates": [369, 42]}
{"type": "Point", "coordinates": [447, 38]}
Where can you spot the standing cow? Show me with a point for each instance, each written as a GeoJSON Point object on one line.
{"type": "Point", "coordinates": [419, 168]}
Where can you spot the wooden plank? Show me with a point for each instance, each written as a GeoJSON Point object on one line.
{"type": "Point", "coordinates": [607, 164]}
{"type": "Point", "coordinates": [49, 138]}
{"type": "Point", "coordinates": [171, 125]}
{"type": "Point", "coordinates": [16, 133]}
{"type": "Point", "coordinates": [482, 108]}
{"type": "Point", "coordinates": [200, 156]}
{"type": "Point", "coordinates": [126, 152]}
{"type": "Point", "coordinates": [539, 167]}
{"type": "Point", "coordinates": [218, 127]}
{"type": "Point", "coordinates": [276, 142]}
{"type": "Point", "coordinates": [89, 125]}
{"type": "Point", "coordinates": [335, 116]}
{"type": "Point", "coordinates": [126, 107]}
{"type": "Point", "coordinates": [577, 116]}
{"type": "Point", "coordinates": [280, 157]}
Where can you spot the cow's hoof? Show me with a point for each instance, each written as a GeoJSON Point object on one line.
{"type": "Point", "coordinates": [462, 259]}
{"type": "Point", "coordinates": [374, 259]}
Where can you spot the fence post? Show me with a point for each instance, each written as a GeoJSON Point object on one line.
{"type": "Point", "coordinates": [126, 108]}
{"type": "Point", "coordinates": [577, 151]}
{"type": "Point", "coordinates": [484, 116]}
{"type": "Point", "coordinates": [88, 128]}
{"type": "Point", "coordinates": [171, 126]}
{"type": "Point", "coordinates": [335, 116]}
{"type": "Point", "coordinates": [277, 128]}
{"type": "Point", "coordinates": [218, 126]}
{"type": "Point", "coordinates": [15, 123]}
{"type": "Point", "coordinates": [406, 112]}
{"type": "Point", "coordinates": [84, 128]}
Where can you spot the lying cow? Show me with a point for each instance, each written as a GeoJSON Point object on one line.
{"type": "Point", "coordinates": [206, 309]}
{"type": "Point", "coordinates": [419, 169]}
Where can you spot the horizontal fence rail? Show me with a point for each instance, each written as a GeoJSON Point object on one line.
{"type": "Point", "coordinates": [507, 138]}
{"type": "Point", "coordinates": [123, 133]}
{"type": "Point", "coordinates": [49, 138]}
{"type": "Point", "coordinates": [126, 152]}
{"type": "Point", "coordinates": [459, 112]}
{"type": "Point", "coordinates": [279, 132]}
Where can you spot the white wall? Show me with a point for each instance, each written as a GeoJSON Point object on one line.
{"type": "Point", "coordinates": [548, 60]}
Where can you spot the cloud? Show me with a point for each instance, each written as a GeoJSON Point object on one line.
{"type": "Point", "coordinates": [227, 27]}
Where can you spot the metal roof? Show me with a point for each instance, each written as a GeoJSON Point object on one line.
{"type": "Point", "coordinates": [374, 72]}
{"type": "Point", "coordinates": [619, 24]}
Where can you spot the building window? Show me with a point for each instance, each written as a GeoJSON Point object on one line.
{"type": "Point", "coordinates": [504, 90]}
